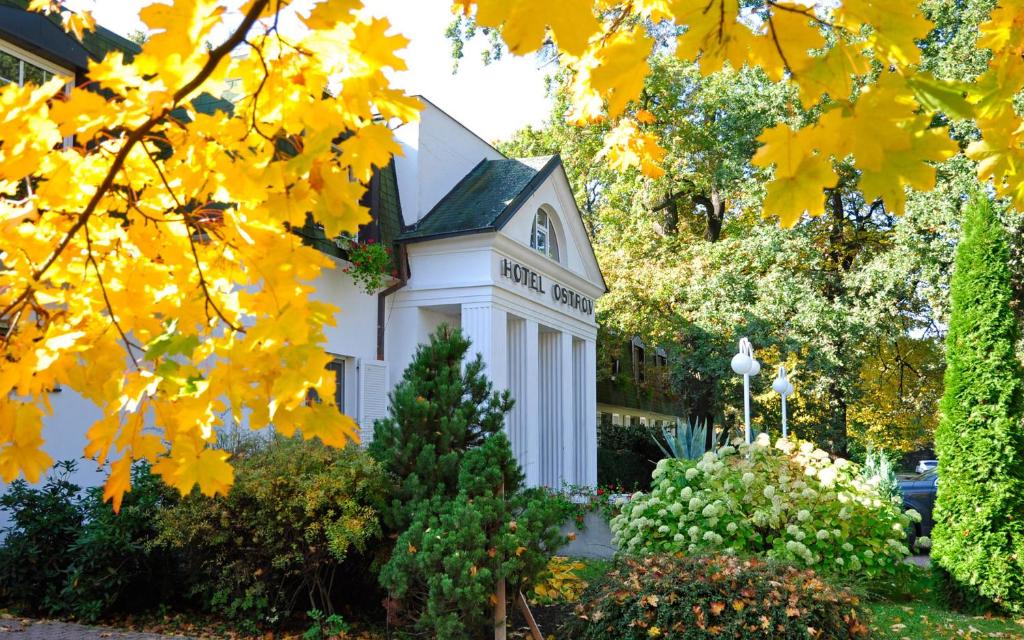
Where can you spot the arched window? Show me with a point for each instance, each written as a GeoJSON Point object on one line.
{"type": "Point", "coordinates": [543, 237]}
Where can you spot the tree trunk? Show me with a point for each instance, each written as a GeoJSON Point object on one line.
{"type": "Point", "coordinates": [838, 264]}
{"type": "Point", "coordinates": [714, 211]}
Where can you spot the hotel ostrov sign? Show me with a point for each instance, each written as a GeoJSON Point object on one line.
{"type": "Point", "coordinates": [561, 294]}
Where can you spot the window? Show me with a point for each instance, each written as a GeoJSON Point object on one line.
{"type": "Point", "coordinates": [639, 360]}
{"type": "Point", "coordinates": [543, 237]}
{"type": "Point", "coordinates": [14, 70]}
{"type": "Point", "coordinates": [338, 367]}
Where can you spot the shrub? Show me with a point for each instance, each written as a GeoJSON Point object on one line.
{"type": "Point", "coordinates": [36, 549]}
{"type": "Point", "coordinates": [789, 503]}
{"type": "Point", "coordinates": [68, 553]}
{"type": "Point", "coordinates": [979, 528]}
{"type": "Point", "coordinates": [277, 542]}
{"type": "Point", "coordinates": [682, 598]}
{"type": "Point", "coordinates": [463, 520]}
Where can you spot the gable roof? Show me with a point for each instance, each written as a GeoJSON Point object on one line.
{"type": "Point", "coordinates": [485, 199]}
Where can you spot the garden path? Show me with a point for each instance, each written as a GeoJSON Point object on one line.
{"type": "Point", "coordinates": [27, 629]}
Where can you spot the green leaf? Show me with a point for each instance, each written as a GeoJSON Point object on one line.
{"type": "Point", "coordinates": [941, 95]}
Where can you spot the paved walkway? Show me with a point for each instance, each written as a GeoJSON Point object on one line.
{"type": "Point", "coordinates": [25, 629]}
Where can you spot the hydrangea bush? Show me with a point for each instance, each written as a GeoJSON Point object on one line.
{"type": "Point", "coordinates": [788, 502]}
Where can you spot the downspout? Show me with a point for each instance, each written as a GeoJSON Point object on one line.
{"type": "Point", "coordinates": [403, 279]}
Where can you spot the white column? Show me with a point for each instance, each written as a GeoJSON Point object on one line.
{"type": "Point", "coordinates": [580, 413]}
{"type": "Point", "coordinates": [550, 382]}
{"type": "Point", "coordinates": [589, 383]}
{"type": "Point", "coordinates": [531, 405]}
{"type": "Point", "coordinates": [564, 408]}
{"type": "Point", "coordinates": [517, 385]}
{"type": "Point", "coordinates": [484, 324]}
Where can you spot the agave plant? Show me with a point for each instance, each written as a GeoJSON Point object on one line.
{"type": "Point", "coordinates": [878, 469]}
{"type": "Point", "coordinates": [686, 441]}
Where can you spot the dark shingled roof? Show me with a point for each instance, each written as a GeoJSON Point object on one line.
{"type": "Point", "coordinates": [484, 200]}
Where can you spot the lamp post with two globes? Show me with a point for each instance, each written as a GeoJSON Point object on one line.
{"type": "Point", "coordinates": [782, 386]}
{"type": "Point", "coordinates": [744, 364]}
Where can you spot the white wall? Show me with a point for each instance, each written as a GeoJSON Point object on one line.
{"type": "Point", "coordinates": [438, 152]}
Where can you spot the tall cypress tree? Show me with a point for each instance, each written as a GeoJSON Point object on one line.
{"type": "Point", "coordinates": [979, 532]}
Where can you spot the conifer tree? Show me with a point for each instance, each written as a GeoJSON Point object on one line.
{"type": "Point", "coordinates": [979, 532]}
{"type": "Point", "coordinates": [462, 518]}
{"type": "Point", "coordinates": [441, 409]}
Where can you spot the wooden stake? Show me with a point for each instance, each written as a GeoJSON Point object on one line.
{"type": "Point", "coordinates": [500, 618]}
{"type": "Point", "coordinates": [524, 608]}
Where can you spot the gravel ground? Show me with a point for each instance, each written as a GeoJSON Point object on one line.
{"type": "Point", "coordinates": [27, 629]}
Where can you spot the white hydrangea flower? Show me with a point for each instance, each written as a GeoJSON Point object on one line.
{"type": "Point", "coordinates": [768, 491]}
{"type": "Point", "coordinates": [676, 508]}
{"type": "Point", "coordinates": [847, 547]}
{"type": "Point", "coordinates": [710, 511]}
{"type": "Point", "coordinates": [800, 535]}
{"type": "Point", "coordinates": [694, 531]}
{"type": "Point", "coordinates": [822, 534]}
{"type": "Point", "coordinates": [855, 563]}
{"type": "Point", "coordinates": [663, 529]}
{"type": "Point", "coordinates": [695, 504]}
{"type": "Point", "coordinates": [709, 536]}
{"type": "Point", "coordinates": [712, 522]}
{"type": "Point", "coordinates": [827, 476]}
{"type": "Point", "coordinates": [803, 515]}
{"type": "Point", "coordinates": [731, 527]}
{"type": "Point", "coordinates": [662, 513]}
{"type": "Point", "coordinates": [686, 493]}
{"type": "Point", "coordinates": [924, 542]}
{"type": "Point", "coordinates": [678, 537]}
{"type": "Point", "coordinates": [869, 553]}
{"type": "Point", "coordinates": [896, 527]}
{"type": "Point", "coordinates": [840, 561]}
{"type": "Point", "coordinates": [748, 478]}
{"type": "Point", "coordinates": [692, 473]}
{"type": "Point", "coordinates": [792, 529]}
{"type": "Point", "coordinates": [914, 515]}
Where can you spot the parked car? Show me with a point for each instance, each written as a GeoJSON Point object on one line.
{"type": "Point", "coordinates": [926, 465]}
{"type": "Point", "coordinates": [919, 494]}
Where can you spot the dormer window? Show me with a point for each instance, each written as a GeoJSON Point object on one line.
{"type": "Point", "coordinates": [543, 237]}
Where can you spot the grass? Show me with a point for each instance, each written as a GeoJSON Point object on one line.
{"type": "Point", "coordinates": [923, 614]}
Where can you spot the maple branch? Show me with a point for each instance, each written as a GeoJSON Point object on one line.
{"type": "Point", "coordinates": [808, 14]}
{"type": "Point", "coordinates": [778, 45]}
{"type": "Point", "coordinates": [213, 61]}
{"type": "Point", "coordinates": [202, 281]}
{"type": "Point", "coordinates": [106, 299]}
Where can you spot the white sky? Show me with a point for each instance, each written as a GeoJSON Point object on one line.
{"type": "Point", "coordinates": [493, 101]}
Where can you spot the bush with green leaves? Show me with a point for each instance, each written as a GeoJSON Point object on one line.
{"type": "Point", "coordinates": [289, 536]}
{"type": "Point", "coordinates": [693, 598]}
{"type": "Point", "coordinates": [67, 554]}
{"type": "Point", "coordinates": [979, 511]}
{"type": "Point", "coordinates": [789, 502]}
{"type": "Point", "coordinates": [461, 515]}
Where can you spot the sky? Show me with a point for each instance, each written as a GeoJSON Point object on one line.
{"type": "Point", "coordinates": [493, 101]}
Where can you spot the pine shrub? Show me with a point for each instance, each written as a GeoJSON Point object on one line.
{"type": "Point", "coordinates": [684, 598]}
{"type": "Point", "coordinates": [462, 518]}
{"type": "Point", "coordinates": [979, 514]}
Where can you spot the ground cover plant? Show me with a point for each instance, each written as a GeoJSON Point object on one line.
{"type": "Point", "coordinates": [788, 502]}
{"type": "Point", "coordinates": [682, 598]}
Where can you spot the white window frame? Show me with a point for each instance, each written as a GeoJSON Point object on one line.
{"type": "Point", "coordinates": [42, 63]}
{"type": "Point", "coordinates": [549, 232]}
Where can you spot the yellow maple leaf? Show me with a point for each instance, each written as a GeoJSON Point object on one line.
{"type": "Point", "coordinates": [118, 482]}
{"type": "Point", "coordinates": [21, 442]}
{"type": "Point", "coordinates": [620, 69]}
{"type": "Point", "coordinates": [77, 23]}
{"type": "Point", "coordinates": [790, 197]}
{"type": "Point", "coordinates": [626, 146]}
{"type": "Point", "coordinates": [524, 23]}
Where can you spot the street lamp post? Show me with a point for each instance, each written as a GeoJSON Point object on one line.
{"type": "Point", "coordinates": [784, 388]}
{"type": "Point", "coordinates": [744, 364]}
